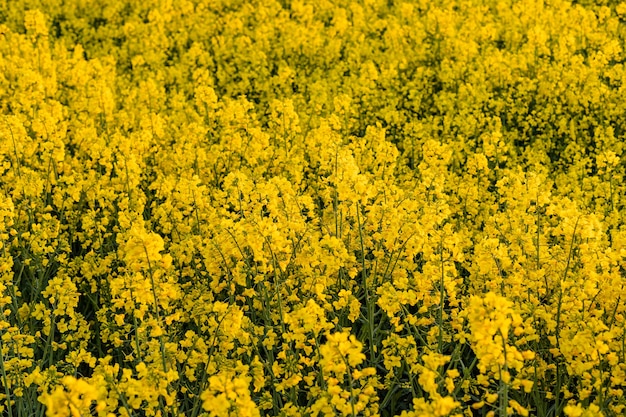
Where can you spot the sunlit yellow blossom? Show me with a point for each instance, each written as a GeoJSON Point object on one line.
{"type": "Point", "coordinates": [229, 395]}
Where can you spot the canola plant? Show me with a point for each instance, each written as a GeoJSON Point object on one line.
{"type": "Point", "coordinates": [312, 208]}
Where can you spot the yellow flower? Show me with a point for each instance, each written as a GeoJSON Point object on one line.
{"type": "Point", "coordinates": [142, 249]}
{"type": "Point", "coordinates": [35, 22]}
{"type": "Point", "coordinates": [228, 394]}
{"type": "Point", "coordinates": [74, 397]}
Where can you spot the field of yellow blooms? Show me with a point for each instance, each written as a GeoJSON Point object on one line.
{"type": "Point", "coordinates": [312, 208]}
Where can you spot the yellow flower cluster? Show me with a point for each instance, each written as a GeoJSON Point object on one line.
{"type": "Point", "coordinates": [229, 396]}
{"type": "Point", "coordinates": [312, 208]}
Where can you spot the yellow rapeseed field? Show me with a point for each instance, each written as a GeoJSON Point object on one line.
{"type": "Point", "coordinates": [251, 208]}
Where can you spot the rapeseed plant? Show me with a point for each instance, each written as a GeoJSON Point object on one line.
{"type": "Point", "coordinates": [312, 208]}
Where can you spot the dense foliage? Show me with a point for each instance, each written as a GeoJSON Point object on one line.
{"type": "Point", "coordinates": [312, 208]}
